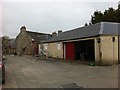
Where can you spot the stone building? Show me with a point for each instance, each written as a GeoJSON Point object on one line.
{"type": "Point", "coordinates": [27, 41]}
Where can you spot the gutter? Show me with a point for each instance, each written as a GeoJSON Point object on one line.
{"type": "Point", "coordinates": [76, 39]}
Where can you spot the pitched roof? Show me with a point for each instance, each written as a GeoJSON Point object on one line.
{"type": "Point", "coordinates": [102, 28]}
{"type": "Point", "coordinates": [38, 36]}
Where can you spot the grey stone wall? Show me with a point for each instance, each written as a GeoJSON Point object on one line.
{"type": "Point", "coordinates": [22, 41]}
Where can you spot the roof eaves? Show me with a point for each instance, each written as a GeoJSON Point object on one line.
{"type": "Point", "coordinates": [37, 33]}
{"type": "Point", "coordinates": [51, 41]}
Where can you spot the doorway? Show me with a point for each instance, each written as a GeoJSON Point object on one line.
{"type": "Point", "coordinates": [85, 49]}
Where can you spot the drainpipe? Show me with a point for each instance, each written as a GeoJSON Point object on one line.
{"type": "Point", "coordinates": [113, 40]}
{"type": "Point", "coordinates": [63, 50]}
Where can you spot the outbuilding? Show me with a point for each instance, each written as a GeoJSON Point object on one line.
{"type": "Point", "coordinates": [96, 43]}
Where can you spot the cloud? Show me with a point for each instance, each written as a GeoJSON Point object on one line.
{"type": "Point", "coordinates": [48, 16]}
{"type": "Point", "coordinates": [60, 0]}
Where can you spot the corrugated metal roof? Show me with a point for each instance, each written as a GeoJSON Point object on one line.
{"type": "Point", "coordinates": [110, 28]}
{"type": "Point", "coordinates": [102, 28]}
{"type": "Point", "coordinates": [119, 30]}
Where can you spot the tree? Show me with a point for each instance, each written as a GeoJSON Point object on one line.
{"type": "Point", "coordinates": [118, 12]}
{"type": "Point", "coordinates": [97, 17]}
{"type": "Point", "coordinates": [5, 44]}
{"type": "Point", "coordinates": [110, 15]}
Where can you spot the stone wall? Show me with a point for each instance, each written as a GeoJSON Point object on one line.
{"type": "Point", "coordinates": [22, 41]}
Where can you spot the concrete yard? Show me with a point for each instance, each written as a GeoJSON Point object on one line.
{"type": "Point", "coordinates": [28, 72]}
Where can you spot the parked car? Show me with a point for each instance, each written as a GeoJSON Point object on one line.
{"type": "Point", "coordinates": [2, 70]}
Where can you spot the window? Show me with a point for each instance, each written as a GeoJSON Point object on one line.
{"type": "Point", "coordinates": [58, 46]}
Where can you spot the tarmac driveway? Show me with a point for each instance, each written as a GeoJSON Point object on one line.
{"type": "Point", "coordinates": [27, 72]}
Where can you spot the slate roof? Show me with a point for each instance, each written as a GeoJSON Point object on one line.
{"type": "Point", "coordinates": [102, 28]}
{"type": "Point", "coordinates": [38, 36]}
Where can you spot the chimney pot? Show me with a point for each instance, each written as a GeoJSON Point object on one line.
{"type": "Point", "coordinates": [54, 34]}
{"type": "Point", "coordinates": [59, 32]}
{"type": "Point", "coordinates": [23, 28]}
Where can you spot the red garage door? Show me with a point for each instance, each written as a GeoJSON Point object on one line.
{"type": "Point", "coordinates": [70, 51]}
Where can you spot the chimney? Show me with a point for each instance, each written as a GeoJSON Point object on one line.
{"type": "Point", "coordinates": [54, 34]}
{"type": "Point", "coordinates": [23, 29]}
{"type": "Point", "coordinates": [59, 32]}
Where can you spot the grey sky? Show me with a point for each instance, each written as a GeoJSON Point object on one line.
{"type": "Point", "coordinates": [47, 17]}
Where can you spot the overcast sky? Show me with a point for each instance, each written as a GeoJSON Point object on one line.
{"type": "Point", "coordinates": [48, 16]}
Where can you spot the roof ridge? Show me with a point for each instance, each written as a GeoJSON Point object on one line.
{"type": "Point", "coordinates": [111, 22]}
{"type": "Point", "coordinates": [35, 32]}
